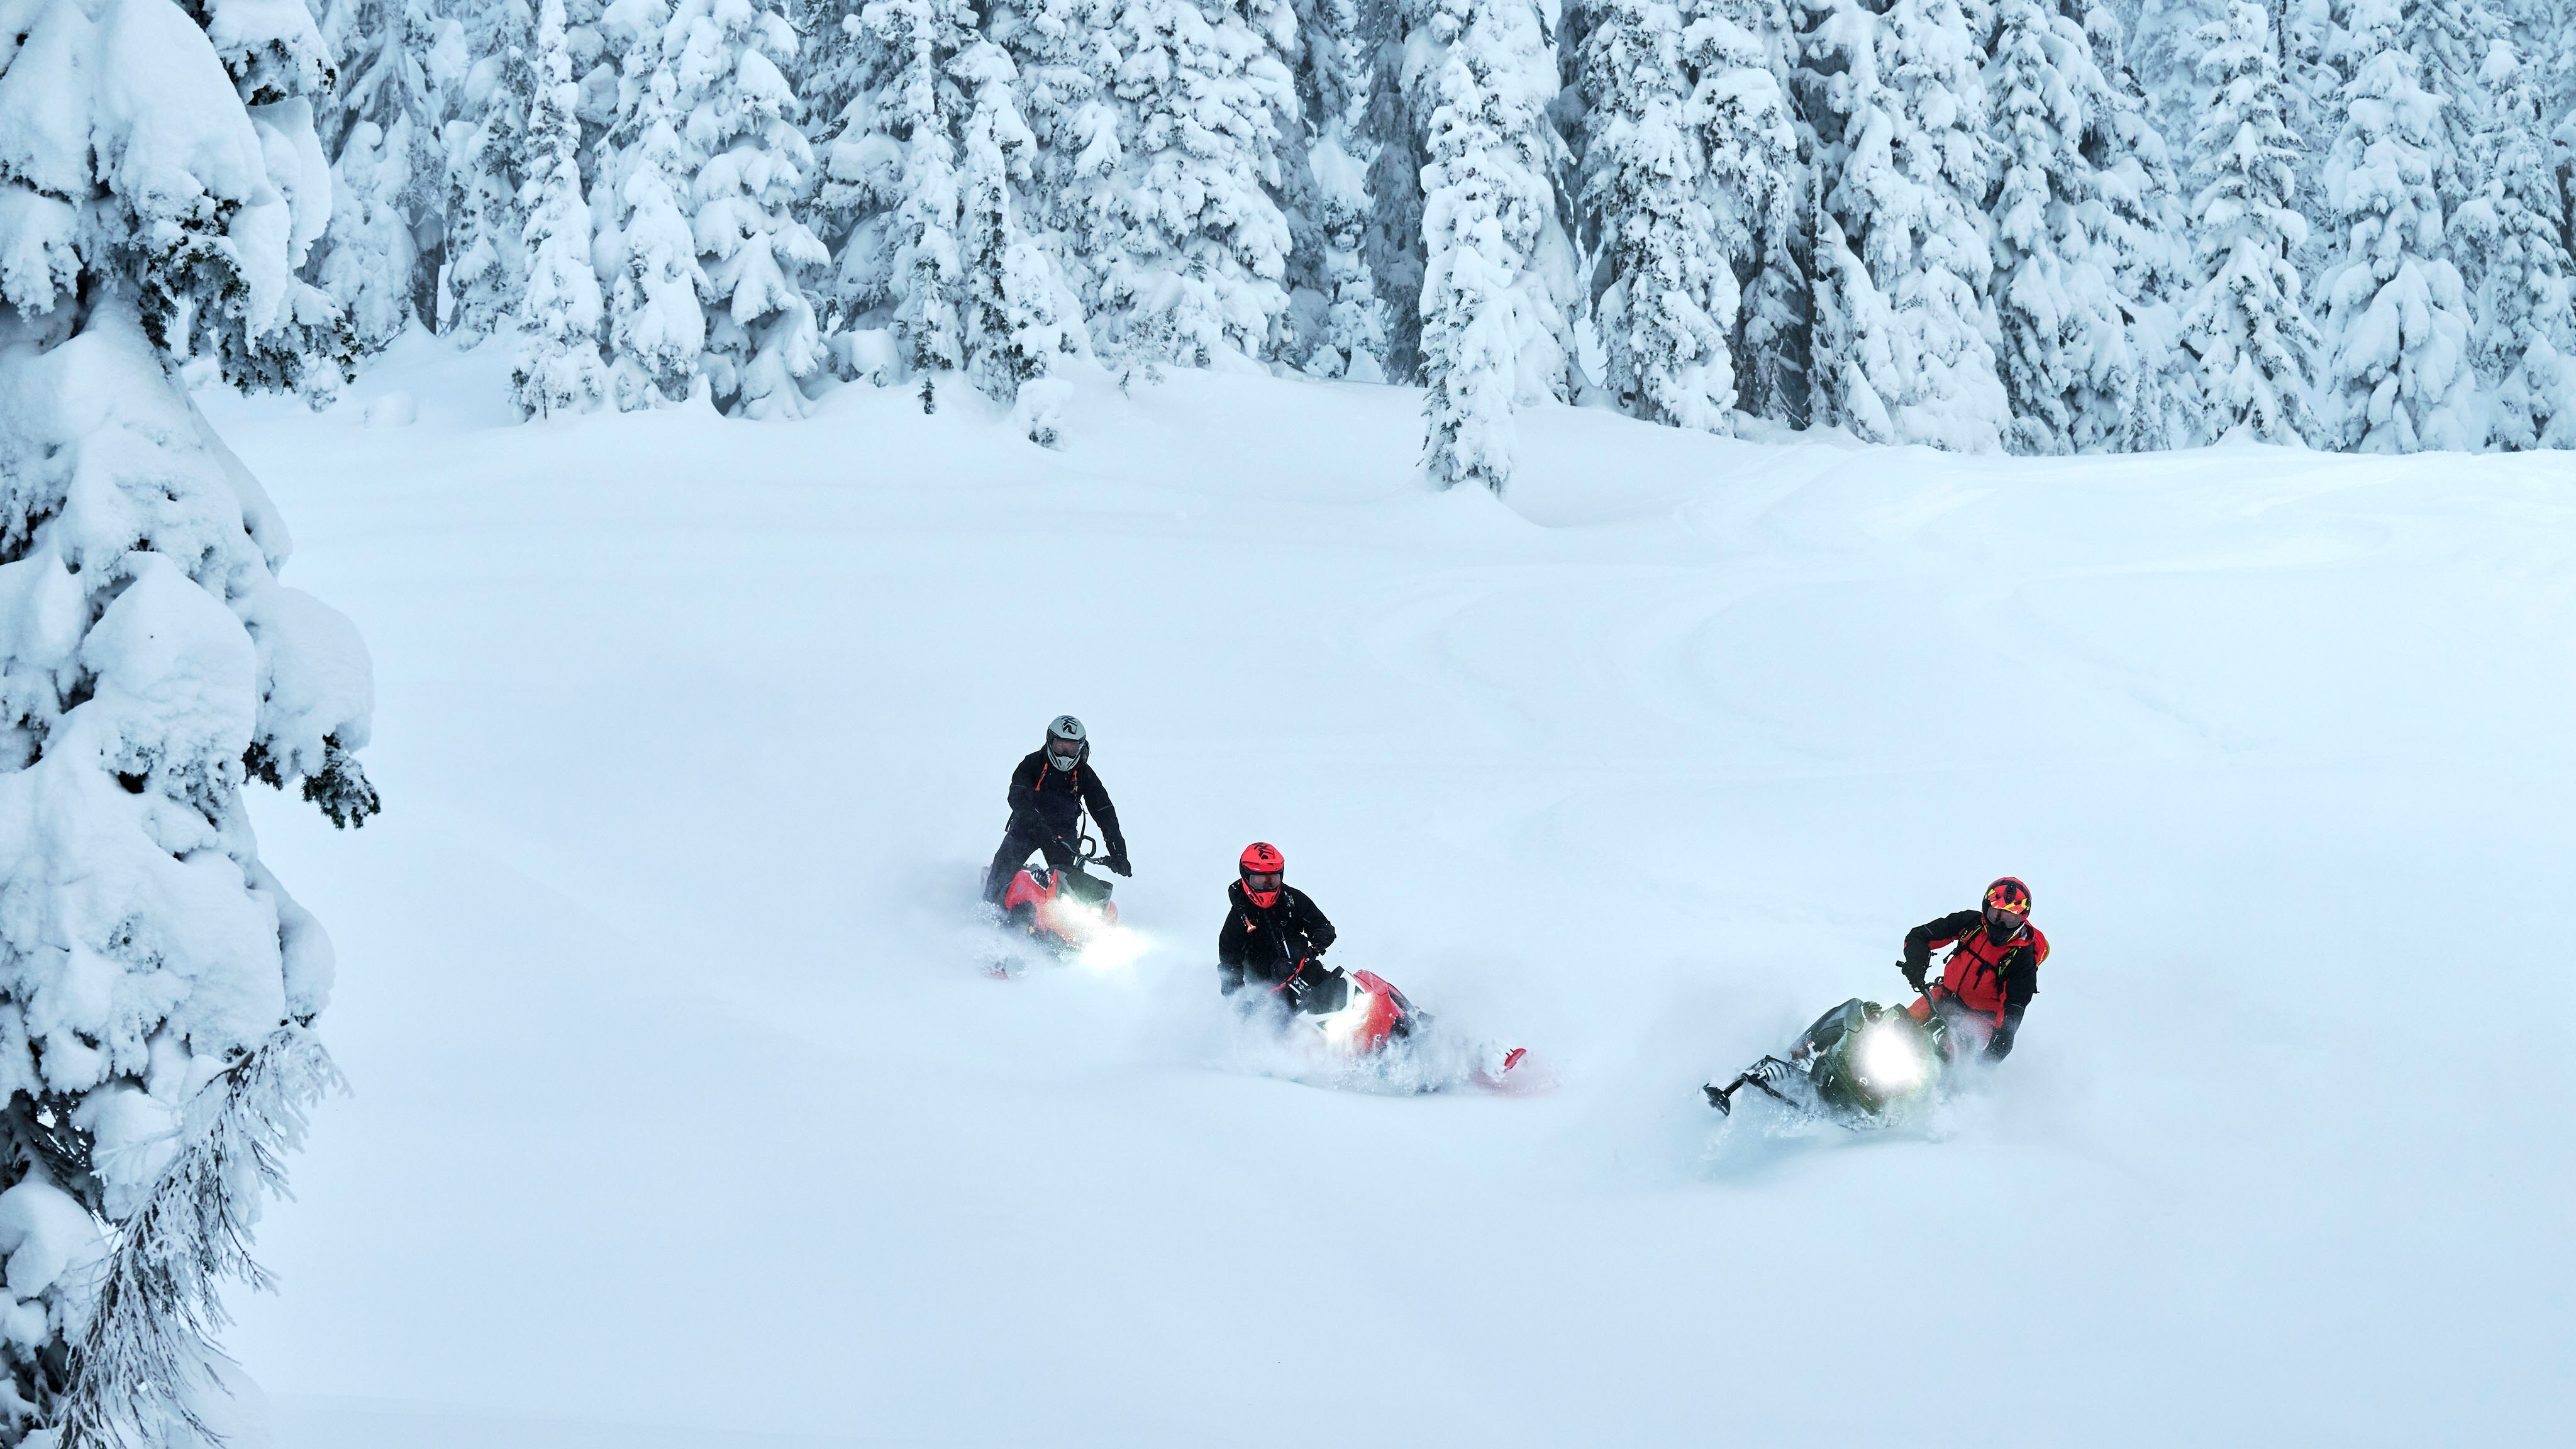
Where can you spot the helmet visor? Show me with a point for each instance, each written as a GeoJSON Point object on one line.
{"type": "Point", "coordinates": [1261, 882]}
{"type": "Point", "coordinates": [1064, 751]}
{"type": "Point", "coordinates": [2005, 918]}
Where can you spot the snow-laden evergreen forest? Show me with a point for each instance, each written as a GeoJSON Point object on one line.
{"type": "Point", "coordinates": [1100, 351]}
{"type": "Point", "coordinates": [2038, 226]}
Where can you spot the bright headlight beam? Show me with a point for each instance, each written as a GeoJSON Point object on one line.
{"type": "Point", "coordinates": [1112, 948]}
{"type": "Point", "coordinates": [1890, 1062]}
{"type": "Point", "coordinates": [1342, 1026]}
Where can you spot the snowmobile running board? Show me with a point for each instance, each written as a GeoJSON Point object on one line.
{"type": "Point", "coordinates": [1757, 1075]}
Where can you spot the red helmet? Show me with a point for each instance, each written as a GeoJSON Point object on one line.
{"type": "Point", "coordinates": [1261, 867]}
{"type": "Point", "coordinates": [2008, 894]}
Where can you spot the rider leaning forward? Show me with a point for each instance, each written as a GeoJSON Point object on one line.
{"type": "Point", "coordinates": [1274, 937]}
{"type": "Point", "coordinates": [1988, 980]}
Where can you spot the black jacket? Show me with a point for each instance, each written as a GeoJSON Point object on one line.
{"type": "Point", "coordinates": [1262, 945]}
{"type": "Point", "coordinates": [1052, 800]}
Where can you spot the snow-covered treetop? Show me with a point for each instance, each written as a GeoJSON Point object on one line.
{"type": "Point", "coordinates": [181, 164]}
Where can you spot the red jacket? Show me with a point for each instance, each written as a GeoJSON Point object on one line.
{"type": "Point", "coordinates": [1987, 976]}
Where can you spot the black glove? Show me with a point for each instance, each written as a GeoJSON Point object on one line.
{"type": "Point", "coordinates": [1914, 971]}
{"type": "Point", "coordinates": [1117, 865]}
{"type": "Point", "coordinates": [1999, 1045]}
{"type": "Point", "coordinates": [1314, 986]}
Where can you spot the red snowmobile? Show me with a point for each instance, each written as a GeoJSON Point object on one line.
{"type": "Point", "coordinates": [1360, 1012]}
{"type": "Point", "coordinates": [1065, 908]}
{"type": "Point", "coordinates": [1361, 1017]}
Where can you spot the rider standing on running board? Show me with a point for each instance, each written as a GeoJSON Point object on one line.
{"type": "Point", "coordinates": [1048, 794]}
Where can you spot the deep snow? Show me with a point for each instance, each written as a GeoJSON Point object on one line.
{"type": "Point", "coordinates": [681, 1102]}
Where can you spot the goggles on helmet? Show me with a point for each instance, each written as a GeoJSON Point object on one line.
{"type": "Point", "coordinates": [1261, 882]}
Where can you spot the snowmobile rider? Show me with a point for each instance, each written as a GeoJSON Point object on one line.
{"type": "Point", "coordinates": [1048, 793]}
{"type": "Point", "coordinates": [1273, 937]}
{"type": "Point", "coordinates": [1992, 974]}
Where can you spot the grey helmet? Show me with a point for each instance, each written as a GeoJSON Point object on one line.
{"type": "Point", "coordinates": [1066, 729]}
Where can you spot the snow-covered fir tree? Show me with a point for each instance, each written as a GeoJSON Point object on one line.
{"type": "Point", "coordinates": [2525, 343]}
{"type": "Point", "coordinates": [2548, 43]}
{"type": "Point", "coordinates": [1336, 86]}
{"type": "Point", "coordinates": [398, 63]}
{"type": "Point", "coordinates": [2144, 232]}
{"type": "Point", "coordinates": [373, 259]}
{"type": "Point", "coordinates": [1392, 243]}
{"type": "Point", "coordinates": [738, 121]}
{"type": "Point", "coordinates": [559, 367]}
{"type": "Point", "coordinates": [2070, 362]}
{"type": "Point", "coordinates": [1904, 345]}
{"type": "Point", "coordinates": [161, 182]}
{"type": "Point", "coordinates": [1197, 249]}
{"type": "Point", "coordinates": [907, 257]}
{"type": "Point", "coordinates": [487, 172]}
{"type": "Point", "coordinates": [2163, 43]}
{"type": "Point", "coordinates": [2396, 364]}
{"type": "Point", "coordinates": [657, 329]}
{"type": "Point", "coordinates": [2450, 40]}
{"type": "Point", "coordinates": [838, 66]}
{"type": "Point", "coordinates": [2247, 324]}
{"type": "Point", "coordinates": [1739, 53]}
{"type": "Point", "coordinates": [2312, 91]}
{"type": "Point", "coordinates": [1066, 54]}
{"type": "Point", "coordinates": [2545, 43]}
{"type": "Point", "coordinates": [1013, 300]}
{"type": "Point", "coordinates": [1480, 73]}
{"type": "Point", "coordinates": [1668, 297]}
{"type": "Point", "coordinates": [599, 48]}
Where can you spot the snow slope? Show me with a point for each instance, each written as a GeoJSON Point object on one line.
{"type": "Point", "coordinates": [681, 1105]}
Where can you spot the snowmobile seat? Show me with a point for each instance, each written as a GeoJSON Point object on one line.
{"type": "Point", "coordinates": [1082, 886]}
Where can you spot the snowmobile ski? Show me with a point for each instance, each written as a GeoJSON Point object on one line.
{"type": "Point", "coordinates": [1861, 1063]}
{"type": "Point", "coordinates": [1758, 1075]}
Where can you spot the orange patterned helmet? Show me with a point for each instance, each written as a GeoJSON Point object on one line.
{"type": "Point", "coordinates": [2008, 894]}
{"type": "Point", "coordinates": [1261, 867]}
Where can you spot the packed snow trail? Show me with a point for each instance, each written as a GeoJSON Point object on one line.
{"type": "Point", "coordinates": [681, 1098]}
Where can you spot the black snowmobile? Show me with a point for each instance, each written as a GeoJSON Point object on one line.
{"type": "Point", "coordinates": [1860, 1063]}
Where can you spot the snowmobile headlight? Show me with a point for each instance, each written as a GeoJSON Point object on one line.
{"type": "Point", "coordinates": [1891, 1062]}
{"type": "Point", "coordinates": [1112, 948]}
